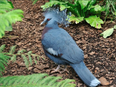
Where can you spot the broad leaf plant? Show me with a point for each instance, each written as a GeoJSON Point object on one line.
{"type": "Point", "coordinates": [81, 10]}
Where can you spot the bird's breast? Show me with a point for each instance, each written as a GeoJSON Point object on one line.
{"type": "Point", "coordinates": [46, 29]}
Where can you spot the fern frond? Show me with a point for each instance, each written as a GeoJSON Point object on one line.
{"type": "Point", "coordinates": [21, 51]}
{"type": "Point", "coordinates": [13, 58]}
{"type": "Point", "coordinates": [3, 62]}
{"type": "Point", "coordinates": [28, 57]}
{"type": "Point", "coordinates": [35, 80]}
{"type": "Point", "coordinates": [8, 16]}
{"type": "Point", "coordinates": [2, 48]}
{"type": "Point", "coordinates": [12, 49]}
{"type": "Point", "coordinates": [5, 5]}
{"type": "Point", "coordinates": [25, 60]}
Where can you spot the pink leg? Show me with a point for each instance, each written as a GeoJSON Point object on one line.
{"type": "Point", "coordinates": [57, 69]}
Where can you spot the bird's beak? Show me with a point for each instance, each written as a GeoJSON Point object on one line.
{"type": "Point", "coordinates": [43, 22]}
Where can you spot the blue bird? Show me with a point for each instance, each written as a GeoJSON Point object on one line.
{"type": "Point", "coordinates": [60, 47]}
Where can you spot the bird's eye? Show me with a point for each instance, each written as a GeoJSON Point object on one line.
{"type": "Point", "coordinates": [48, 19]}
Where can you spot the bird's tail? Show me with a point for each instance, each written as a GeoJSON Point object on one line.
{"type": "Point", "coordinates": [86, 76]}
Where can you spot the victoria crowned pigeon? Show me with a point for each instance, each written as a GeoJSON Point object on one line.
{"type": "Point", "coordinates": [60, 47]}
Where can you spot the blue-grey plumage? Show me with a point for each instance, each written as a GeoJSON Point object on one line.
{"type": "Point", "coordinates": [59, 16]}
{"type": "Point", "coordinates": [84, 73]}
{"type": "Point", "coordinates": [60, 47]}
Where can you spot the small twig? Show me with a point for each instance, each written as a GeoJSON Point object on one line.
{"type": "Point", "coordinates": [11, 36]}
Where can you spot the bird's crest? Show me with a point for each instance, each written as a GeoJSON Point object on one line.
{"type": "Point", "coordinates": [59, 16]}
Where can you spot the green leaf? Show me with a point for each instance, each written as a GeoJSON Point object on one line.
{"type": "Point", "coordinates": [12, 49]}
{"type": "Point", "coordinates": [3, 62]}
{"type": "Point", "coordinates": [62, 7]}
{"type": "Point", "coordinates": [35, 80]}
{"type": "Point", "coordinates": [83, 3]}
{"type": "Point", "coordinates": [2, 67]}
{"type": "Point", "coordinates": [35, 60]}
{"type": "Point", "coordinates": [75, 19]}
{"type": "Point", "coordinates": [13, 58]}
{"type": "Point", "coordinates": [92, 2]}
{"type": "Point", "coordinates": [9, 18]}
{"type": "Point", "coordinates": [25, 60]}
{"type": "Point", "coordinates": [21, 51]}
{"type": "Point", "coordinates": [94, 21]}
{"type": "Point", "coordinates": [11, 4]}
{"type": "Point", "coordinates": [29, 56]}
{"type": "Point", "coordinates": [2, 48]}
{"type": "Point", "coordinates": [114, 13]}
{"type": "Point", "coordinates": [107, 32]}
{"type": "Point", "coordinates": [38, 58]}
{"type": "Point", "coordinates": [5, 6]}
{"type": "Point", "coordinates": [8, 28]}
{"type": "Point", "coordinates": [114, 26]}
{"type": "Point", "coordinates": [51, 3]}
{"type": "Point", "coordinates": [3, 56]}
{"type": "Point", "coordinates": [98, 8]}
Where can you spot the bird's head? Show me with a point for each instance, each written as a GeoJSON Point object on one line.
{"type": "Point", "coordinates": [55, 15]}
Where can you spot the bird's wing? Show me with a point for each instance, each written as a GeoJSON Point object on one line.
{"type": "Point", "coordinates": [59, 42]}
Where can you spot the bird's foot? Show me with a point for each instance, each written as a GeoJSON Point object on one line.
{"type": "Point", "coordinates": [58, 71]}
{"type": "Point", "coordinates": [65, 70]}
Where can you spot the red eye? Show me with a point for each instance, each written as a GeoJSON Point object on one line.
{"type": "Point", "coordinates": [48, 19]}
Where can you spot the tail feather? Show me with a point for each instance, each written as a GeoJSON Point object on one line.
{"type": "Point", "coordinates": [84, 73]}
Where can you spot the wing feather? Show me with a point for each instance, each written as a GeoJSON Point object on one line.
{"type": "Point", "coordinates": [59, 42]}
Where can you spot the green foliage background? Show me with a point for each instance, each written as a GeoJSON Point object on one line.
{"type": "Point", "coordinates": [81, 10]}
{"type": "Point", "coordinates": [8, 16]}
{"type": "Point", "coordinates": [35, 80]}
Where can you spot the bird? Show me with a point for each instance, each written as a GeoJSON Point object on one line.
{"type": "Point", "coordinates": [61, 48]}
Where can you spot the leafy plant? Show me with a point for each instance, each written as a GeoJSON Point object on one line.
{"type": "Point", "coordinates": [35, 80]}
{"type": "Point", "coordinates": [81, 10]}
{"type": "Point", "coordinates": [108, 32]}
{"type": "Point", "coordinates": [12, 55]}
{"type": "Point", "coordinates": [8, 16]}
{"type": "Point", "coordinates": [110, 8]}
{"type": "Point", "coordinates": [3, 62]}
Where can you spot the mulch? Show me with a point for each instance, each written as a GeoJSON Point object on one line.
{"type": "Point", "coordinates": [100, 53]}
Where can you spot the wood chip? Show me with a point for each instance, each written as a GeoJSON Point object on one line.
{"type": "Point", "coordinates": [85, 56]}
{"type": "Point", "coordinates": [92, 53]}
{"type": "Point", "coordinates": [104, 81]}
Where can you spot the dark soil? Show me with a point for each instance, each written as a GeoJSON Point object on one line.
{"type": "Point", "coordinates": [100, 53]}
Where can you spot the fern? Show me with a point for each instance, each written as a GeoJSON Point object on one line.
{"type": "Point", "coordinates": [12, 55]}
{"type": "Point", "coordinates": [3, 59]}
{"type": "Point", "coordinates": [8, 16]}
{"type": "Point", "coordinates": [3, 62]}
{"type": "Point", "coordinates": [34, 1]}
{"type": "Point", "coordinates": [35, 80]}
{"type": "Point", "coordinates": [27, 56]}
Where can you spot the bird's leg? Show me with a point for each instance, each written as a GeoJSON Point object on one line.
{"type": "Point", "coordinates": [57, 68]}
{"type": "Point", "coordinates": [65, 69]}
